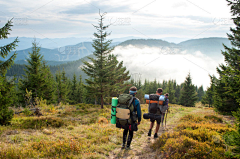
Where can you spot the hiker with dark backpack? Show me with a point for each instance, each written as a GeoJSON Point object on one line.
{"type": "Point", "coordinates": [128, 115]}
{"type": "Point", "coordinates": [154, 108]}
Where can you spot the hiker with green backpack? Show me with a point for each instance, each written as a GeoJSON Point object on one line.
{"type": "Point", "coordinates": [128, 115]}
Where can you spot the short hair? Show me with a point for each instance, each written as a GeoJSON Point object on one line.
{"type": "Point", "coordinates": [166, 94]}
{"type": "Point", "coordinates": [133, 88]}
{"type": "Point", "coordinates": [159, 90]}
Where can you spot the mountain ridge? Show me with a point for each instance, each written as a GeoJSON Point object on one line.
{"type": "Point", "coordinates": [210, 46]}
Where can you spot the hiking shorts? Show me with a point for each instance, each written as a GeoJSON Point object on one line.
{"type": "Point", "coordinates": [157, 120]}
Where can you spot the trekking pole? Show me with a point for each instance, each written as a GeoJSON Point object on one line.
{"type": "Point", "coordinates": [166, 119]}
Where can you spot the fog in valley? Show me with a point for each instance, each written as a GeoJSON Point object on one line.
{"type": "Point", "coordinates": [167, 63]}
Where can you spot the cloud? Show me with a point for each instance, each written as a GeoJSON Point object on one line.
{"type": "Point", "coordinates": [155, 19]}
{"type": "Point", "coordinates": [152, 62]}
{"type": "Point", "coordinates": [93, 7]}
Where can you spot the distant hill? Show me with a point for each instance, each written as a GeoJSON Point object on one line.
{"type": "Point", "coordinates": [48, 43]}
{"type": "Point", "coordinates": [70, 68]}
{"type": "Point", "coordinates": [209, 46]}
{"type": "Point", "coordinates": [146, 42]}
{"type": "Point", "coordinates": [65, 53]}
{"type": "Point", "coordinates": [53, 43]}
{"type": "Point", "coordinates": [50, 63]}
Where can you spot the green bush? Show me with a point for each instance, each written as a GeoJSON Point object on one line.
{"type": "Point", "coordinates": [214, 118]}
{"type": "Point", "coordinates": [27, 112]}
{"type": "Point", "coordinates": [194, 137]}
{"type": "Point", "coordinates": [5, 116]}
{"type": "Point", "coordinates": [38, 122]}
{"type": "Point", "coordinates": [232, 138]}
{"type": "Point", "coordinates": [7, 96]}
{"type": "Point", "coordinates": [191, 118]}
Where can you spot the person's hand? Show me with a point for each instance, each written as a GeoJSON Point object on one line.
{"type": "Point", "coordinates": [138, 123]}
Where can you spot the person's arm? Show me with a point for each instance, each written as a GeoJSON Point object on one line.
{"type": "Point", "coordinates": [139, 112]}
{"type": "Point", "coordinates": [148, 106]}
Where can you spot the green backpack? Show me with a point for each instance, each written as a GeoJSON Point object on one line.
{"type": "Point", "coordinates": [125, 114]}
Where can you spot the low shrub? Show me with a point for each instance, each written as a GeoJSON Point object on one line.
{"type": "Point", "coordinates": [27, 112]}
{"type": "Point", "coordinates": [185, 147]}
{"type": "Point", "coordinates": [14, 152]}
{"type": "Point", "coordinates": [214, 118]}
{"type": "Point", "coordinates": [37, 122]}
{"type": "Point", "coordinates": [220, 128]}
{"type": "Point", "coordinates": [195, 137]}
{"type": "Point", "coordinates": [191, 118]}
{"type": "Point", "coordinates": [103, 121]}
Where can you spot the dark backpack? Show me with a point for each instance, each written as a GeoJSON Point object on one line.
{"type": "Point", "coordinates": [153, 107]}
{"type": "Point", "coordinates": [125, 115]}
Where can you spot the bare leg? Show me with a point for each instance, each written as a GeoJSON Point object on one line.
{"type": "Point", "coordinates": [163, 114]}
{"type": "Point", "coordinates": [157, 128]}
{"type": "Point", "coordinates": [151, 125]}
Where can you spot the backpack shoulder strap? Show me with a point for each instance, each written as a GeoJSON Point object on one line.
{"type": "Point", "coordinates": [134, 99]}
{"type": "Point", "coordinates": [130, 102]}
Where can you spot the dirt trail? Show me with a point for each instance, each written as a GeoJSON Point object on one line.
{"type": "Point", "coordinates": [140, 147]}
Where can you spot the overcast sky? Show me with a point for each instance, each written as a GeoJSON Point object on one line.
{"type": "Point", "coordinates": [186, 19]}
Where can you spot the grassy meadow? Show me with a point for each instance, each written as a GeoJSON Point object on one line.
{"type": "Point", "coordinates": [85, 131]}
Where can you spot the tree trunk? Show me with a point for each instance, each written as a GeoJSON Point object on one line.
{"type": "Point", "coordinates": [95, 101]}
{"type": "Point", "coordinates": [101, 102]}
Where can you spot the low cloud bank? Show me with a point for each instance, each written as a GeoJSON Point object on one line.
{"type": "Point", "coordinates": [167, 63]}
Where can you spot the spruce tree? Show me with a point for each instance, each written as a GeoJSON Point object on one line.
{"type": "Point", "coordinates": [188, 95]}
{"type": "Point", "coordinates": [7, 88]}
{"type": "Point", "coordinates": [200, 92]}
{"type": "Point", "coordinates": [80, 91]}
{"type": "Point", "coordinates": [74, 92]}
{"type": "Point", "coordinates": [5, 50]}
{"type": "Point", "coordinates": [177, 93]}
{"type": "Point", "coordinates": [118, 77]}
{"type": "Point", "coordinates": [98, 69]}
{"type": "Point", "coordinates": [49, 86]}
{"type": "Point", "coordinates": [145, 86]}
{"type": "Point", "coordinates": [38, 78]}
{"type": "Point", "coordinates": [139, 84]}
{"type": "Point", "coordinates": [62, 87]}
{"type": "Point", "coordinates": [154, 86]}
{"type": "Point", "coordinates": [227, 87]}
{"type": "Point", "coordinates": [209, 95]}
{"type": "Point", "coordinates": [164, 85]}
{"type": "Point", "coordinates": [170, 89]}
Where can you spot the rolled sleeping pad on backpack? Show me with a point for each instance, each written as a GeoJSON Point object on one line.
{"type": "Point", "coordinates": [151, 116]}
{"type": "Point", "coordinates": [148, 116]}
{"type": "Point", "coordinates": [113, 110]}
{"type": "Point", "coordinates": [146, 96]}
{"type": "Point", "coordinates": [153, 101]}
{"type": "Point", "coordinates": [162, 98]}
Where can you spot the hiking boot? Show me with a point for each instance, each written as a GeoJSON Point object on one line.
{"type": "Point", "coordinates": [124, 141]}
{"type": "Point", "coordinates": [129, 141]}
{"type": "Point", "coordinates": [123, 146]}
{"type": "Point", "coordinates": [128, 147]}
{"type": "Point", "coordinates": [150, 131]}
{"type": "Point", "coordinates": [155, 135]}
